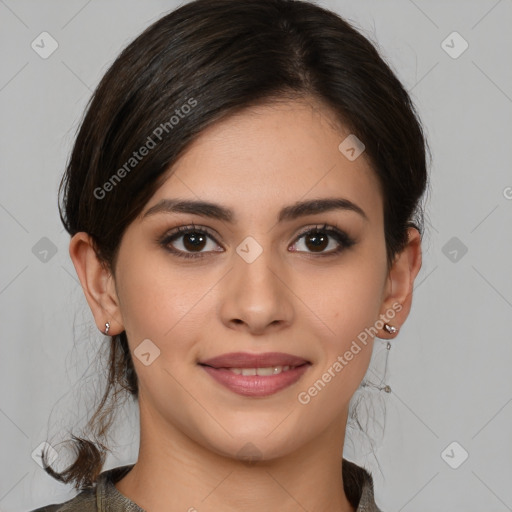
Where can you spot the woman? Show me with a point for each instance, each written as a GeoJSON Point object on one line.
{"type": "Point", "coordinates": [243, 198]}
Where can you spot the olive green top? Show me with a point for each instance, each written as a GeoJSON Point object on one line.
{"type": "Point", "coordinates": [104, 496]}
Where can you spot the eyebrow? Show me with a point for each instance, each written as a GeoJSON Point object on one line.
{"type": "Point", "coordinates": [288, 213]}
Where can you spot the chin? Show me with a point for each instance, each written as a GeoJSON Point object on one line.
{"type": "Point", "coordinates": [254, 444]}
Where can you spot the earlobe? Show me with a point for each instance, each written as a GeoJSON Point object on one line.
{"type": "Point", "coordinates": [97, 284]}
{"type": "Point", "coordinates": [400, 284]}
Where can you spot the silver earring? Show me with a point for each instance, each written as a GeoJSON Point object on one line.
{"type": "Point", "coordinates": [386, 388]}
{"type": "Point", "coordinates": [107, 327]}
{"type": "Point", "coordinates": [390, 328]}
{"type": "Point", "coordinates": [380, 386]}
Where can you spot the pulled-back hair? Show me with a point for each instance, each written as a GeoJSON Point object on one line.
{"type": "Point", "coordinates": [193, 67]}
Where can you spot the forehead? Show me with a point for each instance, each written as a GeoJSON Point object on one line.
{"type": "Point", "coordinates": [264, 157]}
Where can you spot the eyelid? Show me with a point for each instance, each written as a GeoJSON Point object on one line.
{"type": "Point", "coordinates": [183, 230]}
{"type": "Point", "coordinates": [343, 239]}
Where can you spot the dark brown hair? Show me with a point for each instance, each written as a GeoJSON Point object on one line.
{"type": "Point", "coordinates": [194, 66]}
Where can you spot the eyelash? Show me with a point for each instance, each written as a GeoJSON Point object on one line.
{"type": "Point", "coordinates": [344, 240]}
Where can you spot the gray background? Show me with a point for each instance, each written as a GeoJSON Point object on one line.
{"type": "Point", "coordinates": [449, 368]}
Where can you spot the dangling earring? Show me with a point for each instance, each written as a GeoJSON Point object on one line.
{"type": "Point", "coordinates": [380, 386]}
{"type": "Point", "coordinates": [107, 327]}
{"type": "Point", "coordinates": [390, 328]}
{"type": "Point", "coordinates": [387, 387]}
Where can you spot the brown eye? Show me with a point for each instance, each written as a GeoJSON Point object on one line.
{"type": "Point", "coordinates": [317, 242]}
{"type": "Point", "coordinates": [194, 241]}
{"type": "Point", "coordinates": [319, 239]}
{"type": "Point", "coordinates": [189, 242]}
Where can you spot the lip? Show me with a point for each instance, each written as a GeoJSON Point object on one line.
{"type": "Point", "coordinates": [248, 360]}
{"type": "Point", "coordinates": [255, 385]}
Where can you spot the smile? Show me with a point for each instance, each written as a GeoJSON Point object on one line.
{"type": "Point", "coordinates": [271, 370]}
{"type": "Point", "coordinates": [257, 382]}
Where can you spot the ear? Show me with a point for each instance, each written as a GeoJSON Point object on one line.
{"type": "Point", "coordinates": [400, 284]}
{"type": "Point", "coordinates": [97, 283]}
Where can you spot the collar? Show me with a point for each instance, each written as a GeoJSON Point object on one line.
{"type": "Point", "coordinates": [357, 482]}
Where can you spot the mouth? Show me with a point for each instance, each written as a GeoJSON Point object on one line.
{"type": "Point", "coordinates": [249, 360]}
{"type": "Point", "coordinates": [256, 375]}
{"type": "Point", "coordinates": [263, 372]}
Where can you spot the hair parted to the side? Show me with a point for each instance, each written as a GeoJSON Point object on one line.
{"type": "Point", "coordinates": [225, 55]}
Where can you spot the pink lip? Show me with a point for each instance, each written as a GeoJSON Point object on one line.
{"type": "Point", "coordinates": [256, 385]}
{"type": "Point", "coordinates": [247, 360]}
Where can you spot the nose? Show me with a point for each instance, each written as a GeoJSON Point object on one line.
{"type": "Point", "coordinates": [256, 297]}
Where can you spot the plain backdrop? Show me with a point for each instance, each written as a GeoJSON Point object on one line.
{"type": "Point", "coordinates": [447, 443]}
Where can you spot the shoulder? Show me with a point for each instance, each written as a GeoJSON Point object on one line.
{"type": "Point", "coordinates": [102, 496]}
{"type": "Point", "coordinates": [85, 501]}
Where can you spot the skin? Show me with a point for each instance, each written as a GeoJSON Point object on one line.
{"type": "Point", "coordinates": [290, 299]}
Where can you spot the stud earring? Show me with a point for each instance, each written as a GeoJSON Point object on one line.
{"type": "Point", "coordinates": [390, 328]}
{"type": "Point", "coordinates": [107, 327]}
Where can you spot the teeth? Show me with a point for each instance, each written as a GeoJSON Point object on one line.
{"type": "Point", "coordinates": [271, 370]}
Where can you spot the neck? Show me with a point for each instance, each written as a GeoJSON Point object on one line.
{"type": "Point", "coordinates": [175, 470]}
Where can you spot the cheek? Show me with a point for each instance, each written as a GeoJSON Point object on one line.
{"type": "Point", "coordinates": [164, 307]}
{"type": "Point", "coordinates": [347, 306]}
{"type": "Point", "coordinates": [345, 299]}
{"type": "Point", "coordinates": [155, 302]}
{"type": "Point", "coordinates": [357, 305]}
{"type": "Point", "coordinates": [344, 355]}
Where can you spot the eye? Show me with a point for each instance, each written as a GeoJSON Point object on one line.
{"type": "Point", "coordinates": [317, 240]}
{"type": "Point", "coordinates": [190, 242]}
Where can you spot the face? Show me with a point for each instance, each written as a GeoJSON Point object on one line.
{"type": "Point", "coordinates": [305, 283]}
